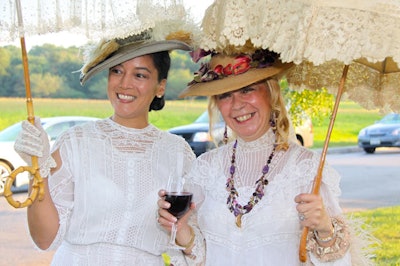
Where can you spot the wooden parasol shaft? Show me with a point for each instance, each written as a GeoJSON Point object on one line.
{"type": "Point", "coordinates": [318, 177]}
{"type": "Point", "coordinates": [29, 101]}
{"type": "Point", "coordinates": [38, 186]}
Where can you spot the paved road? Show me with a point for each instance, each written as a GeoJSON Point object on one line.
{"type": "Point", "coordinates": [368, 181]}
{"type": "Point", "coordinates": [16, 248]}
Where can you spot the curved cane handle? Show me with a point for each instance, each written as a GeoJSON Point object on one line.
{"type": "Point", "coordinates": [36, 191]}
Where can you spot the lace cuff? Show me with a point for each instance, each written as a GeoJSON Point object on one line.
{"type": "Point", "coordinates": [338, 249]}
{"type": "Point", "coordinates": [198, 251]}
{"type": "Point", "coordinates": [47, 165]}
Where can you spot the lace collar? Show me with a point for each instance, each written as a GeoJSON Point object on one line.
{"type": "Point", "coordinates": [115, 126]}
{"type": "Point", "coordinates": [268, 139]}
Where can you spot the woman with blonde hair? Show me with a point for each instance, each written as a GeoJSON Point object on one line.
{"type": "Point", "coordinates": [252, 196]}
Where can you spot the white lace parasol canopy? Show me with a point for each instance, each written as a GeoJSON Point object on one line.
{"type": "Point", "coordinates": [94, 19]}
{"type": "Point", "coordinates": [320, 37]}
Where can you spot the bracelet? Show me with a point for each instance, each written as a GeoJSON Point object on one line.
{"type": "Point", "coordinates": [328, 238]}
{"type": "Point", "coordinates": [191, 241]}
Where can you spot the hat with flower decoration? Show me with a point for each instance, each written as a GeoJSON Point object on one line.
{"type": "Point", "coordinates": [232, 69]}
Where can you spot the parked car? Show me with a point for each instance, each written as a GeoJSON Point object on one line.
{"type": "Point", "coordinates": [384, 133]}
{"type": "Point", "coordinates": [198, 136]}
{"type": "Point", "coordinates": [10, 160]}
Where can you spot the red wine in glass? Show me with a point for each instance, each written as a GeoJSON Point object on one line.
{"type": "Point", "coordinates": [180, 202]}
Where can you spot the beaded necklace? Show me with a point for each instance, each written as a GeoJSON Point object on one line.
{"type": "Point", "coordinates": [233, 205]}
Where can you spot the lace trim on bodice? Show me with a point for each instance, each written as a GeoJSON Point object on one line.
{"type": "Point", "coordinates": [106, 188]}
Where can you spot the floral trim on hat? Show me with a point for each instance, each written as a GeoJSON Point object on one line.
{"type": "Point", "coordinates": [242, 63]}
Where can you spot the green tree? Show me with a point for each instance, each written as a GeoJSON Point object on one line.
{"type": "Point", "coordinates": [96, 87]}
{"type": "Point", "coordinates": [177, 81]}
{"type": "Point", "coordinates": [45, 85]}
{"type": "Point", "coordinates": [5, 61]}
{"type": "Point", "coordinates": [54, 72]}
{"type": "Point", "coordinates": [12, 81]}
{"type": "Point", "coordinates": [314, 104]}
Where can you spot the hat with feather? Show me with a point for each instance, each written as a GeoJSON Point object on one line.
{"type": "Point", "coordinates": [166, 31]}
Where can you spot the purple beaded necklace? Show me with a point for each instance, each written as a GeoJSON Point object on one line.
{"type": "Point", "coordinates": [233, 205]}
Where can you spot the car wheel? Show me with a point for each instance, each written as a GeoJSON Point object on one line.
{"type": "Point", "coordinates": [369, 150]}
{"type": "Point", "coordinates": [5, 171]}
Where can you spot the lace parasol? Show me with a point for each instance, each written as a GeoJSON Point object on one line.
{"type": "Point", "coordinates": [93, 18]}
{"type": "Point", "coordinates": [319, 36]}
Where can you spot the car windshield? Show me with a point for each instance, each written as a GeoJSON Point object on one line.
{"type": "Point", "coordinates": [203, 118]}
{"type": "Point", "coordinates": [10, 133]}
{"type": "Point", "coordinates": [391, 119]}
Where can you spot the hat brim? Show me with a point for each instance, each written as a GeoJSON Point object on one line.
{"type": "Point", "coordinates": [134, 50]}
{"type": "Point", "coordinates": [234, 82]}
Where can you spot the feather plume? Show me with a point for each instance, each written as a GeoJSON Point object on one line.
{"type": "Point", "coordinates": [97, 54]}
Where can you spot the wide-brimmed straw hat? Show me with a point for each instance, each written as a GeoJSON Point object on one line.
{"type": "Point", "coordinates": [224, 73]}
{"type": "Point", "coordinates": [107, 54]}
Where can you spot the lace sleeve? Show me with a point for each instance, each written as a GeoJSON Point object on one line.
{"type": "Point", "coordinates": [61, 190]}
{"type": "Point", "coordinates": [197, 257]}
{"type": "Point", "coordinates": [195, 183]}
{"type": "Point", "coordinates": [338, 249]}
{"type": "Point", "coordinates": [337, 254]}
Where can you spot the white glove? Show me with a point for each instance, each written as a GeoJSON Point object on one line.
{"type": "Point", "coordinates": [34, 141]}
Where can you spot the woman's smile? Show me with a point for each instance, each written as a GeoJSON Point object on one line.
{"type": "Point", "coordinates": [244, 118]}
{"type": "Point", "coordinates": [125, 97]}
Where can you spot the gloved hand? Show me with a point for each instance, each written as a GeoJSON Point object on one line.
{"type": "Point", "coordinates": [34, 141]}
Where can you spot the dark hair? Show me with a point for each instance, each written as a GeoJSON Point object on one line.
{"type": "Point", "coordinates": [162, 63]}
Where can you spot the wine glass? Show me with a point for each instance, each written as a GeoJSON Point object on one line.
{"type": "Point", "coordinates": [180, 200]}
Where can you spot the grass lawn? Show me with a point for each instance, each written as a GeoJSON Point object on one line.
{"type": "Point", "coordinates": [384, 224]}
{"type": "Point", "coordinates": [175, 113]}
{"type": "Point", "coordinates": [350, 119]}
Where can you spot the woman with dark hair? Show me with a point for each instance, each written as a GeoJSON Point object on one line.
{"type": "Point", "coordinates": [101, 178]}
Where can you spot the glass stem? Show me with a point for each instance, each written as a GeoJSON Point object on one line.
{"type": "Point", "coordinates": [173, 234]}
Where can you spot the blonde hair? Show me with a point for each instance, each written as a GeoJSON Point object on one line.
{"type": "Point", "coordinates": [278, 111]}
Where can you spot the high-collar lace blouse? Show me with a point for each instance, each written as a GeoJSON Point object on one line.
{"type": "Point", "coordinates": [270, 233]}
{"type": "Point", "coordinates": [106, 193]}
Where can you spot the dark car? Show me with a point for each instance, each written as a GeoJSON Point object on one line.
{"type": "Point", "coordinates": [384, 133]}
{"type": "Point", "coordinates": [198, 137]}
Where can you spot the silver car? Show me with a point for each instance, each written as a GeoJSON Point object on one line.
{"type": "Point", "coordinates": [10, 160]}
{"type": "Point", "coordinates": [384, 133]}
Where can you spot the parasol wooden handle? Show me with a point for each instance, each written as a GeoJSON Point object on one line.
{"type": "Point", "coordinates": [37, 186]}
{"type": "Point", "coordinates": [36, 191]}
{"type": "Point", "coordinates": [318, 177]}
{"type": "Point", "coordinates": [303, 239]}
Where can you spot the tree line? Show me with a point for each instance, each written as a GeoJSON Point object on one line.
{"type": "Point", "coordinates": [54, 73]}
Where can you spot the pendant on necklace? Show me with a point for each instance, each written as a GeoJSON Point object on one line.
{"type": "Point", "coordinates": [239, 220]}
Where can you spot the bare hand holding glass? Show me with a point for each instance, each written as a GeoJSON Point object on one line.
{"type": "Point", "coordinates": [180, 201]}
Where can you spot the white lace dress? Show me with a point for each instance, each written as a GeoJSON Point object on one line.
{"type": "Point", "coordinates": [106, 193]}
{"type": "Point", "coordinates": [270, 233]}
